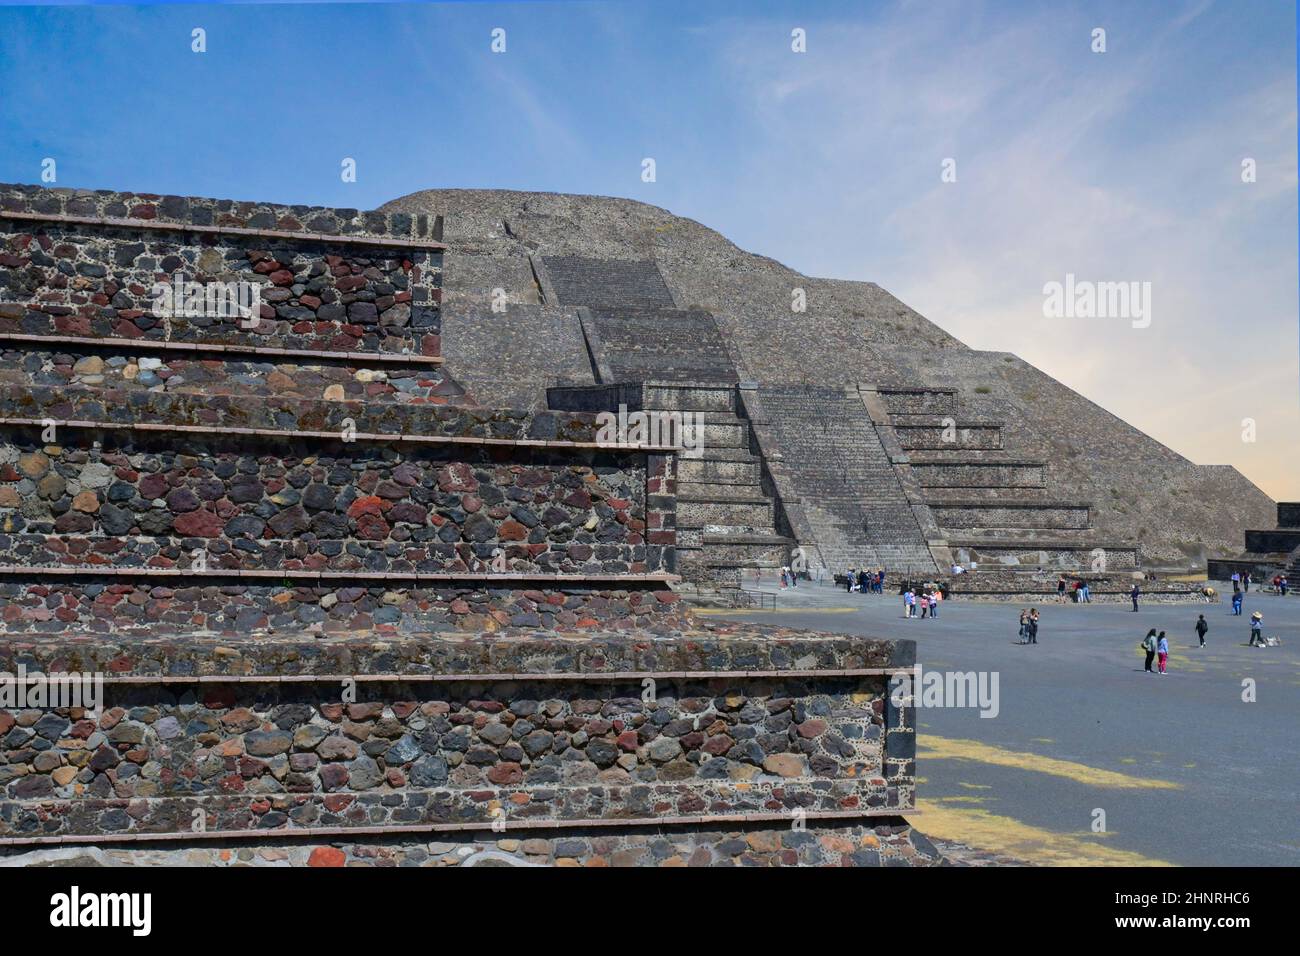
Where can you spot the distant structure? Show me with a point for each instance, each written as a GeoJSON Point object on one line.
{"type": "Point", "coordinates": [1268, 551]}
{"type": "Point", "coordinates": [840, 421]}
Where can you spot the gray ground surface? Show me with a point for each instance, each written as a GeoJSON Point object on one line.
{"type": "Point", "coordinates": [1081, 696]}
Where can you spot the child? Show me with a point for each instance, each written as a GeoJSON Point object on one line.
{"type": "Point", "coordinates": [1162, 648]}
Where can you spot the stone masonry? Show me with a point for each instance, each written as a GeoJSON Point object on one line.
{"type": "Point", "coordinates": [362, 609]}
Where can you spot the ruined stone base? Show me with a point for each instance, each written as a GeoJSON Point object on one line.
{"type": "Point", "coordinates": [889, 841]}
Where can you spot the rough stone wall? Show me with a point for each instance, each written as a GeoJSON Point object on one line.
{"type": "Point", "coordinates": [340, 661]}
{"type": "Point", "coordinates": [508, 360]}
{"type": "Point", "coordinates": [564, 741]}
{"type": "Point", "coordinates": [1050, 517]}
{"type": "Point", "coordinates": [183, 604]}
{"type": "Point", "coordinates": [89, 366]}
{"type": "Point", "coordinates": [888, 841]}
{"type": "Point", "coordinates": [140, 501]}
{"type": "Point", "coordinates": [88, 279]}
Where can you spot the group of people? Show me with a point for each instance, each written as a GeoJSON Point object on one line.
{"type": "Point", "coordinates": [1079, 590]}
{"type": "Point", "coordinates": [926, 600]}
{"type": "Point", "coordinates": [865, 580]}
{"type": "Point", "coordinates": [1159, 646]}
{"type": "Point", "coordinates": [1029, 625]}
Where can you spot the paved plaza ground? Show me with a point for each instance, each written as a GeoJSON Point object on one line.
{"type": "Point", "coordinates": [1186, 772]}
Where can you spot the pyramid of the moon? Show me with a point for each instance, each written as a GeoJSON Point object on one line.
{"type": "Point", "coordinates": [853, 428]}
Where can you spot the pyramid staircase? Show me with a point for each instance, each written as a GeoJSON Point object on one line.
{"type": "Point", "coordinates": [988, 505]}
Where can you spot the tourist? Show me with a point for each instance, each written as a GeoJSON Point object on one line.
{"type": "Point", "coordinates": [1245, 582]}
{"type": "Point", "coordinates": [923, 599]}
{"type": "Point", "coordinates": [1282, 585]}
{"type": "Point", "coordinates": [1085, 592]}
{"type": "Point", "coordinates": [850, 580]}
{"type": "Point", "coordinates": [1060, 590]}
{"type": "Point", "coordinates": [909, 603]}
{"type": "Point", "coordinates": [864, 581]}
{"type": "Point", "coordinates": [1162, 649]}
{"type": "Point", "coordinates": [880, 582]}
{"type": "Point", "coordinates": [1236, 580]}
{"type": "Point", "coordinates": [1201, 627]}
{"type": "Point", "coordinates": [1209, 594]}
{"type": "Point", "coordinates": [1149, 645]}
{"type": "Point", "coordinates": [1236, 603]}
{"type": "Point", "coordinates": [935, 598]}
{"type": "Point", "coordinates": [1033, 625]}
{"type": "Point", "coordinates": [1257, 630]}
{"type": "Point", "coordinates": [784, 571]}
{"type": "Point", "coordinates": [1135, 594]}
{"type": "Point", "coordinates": [1024, 626]}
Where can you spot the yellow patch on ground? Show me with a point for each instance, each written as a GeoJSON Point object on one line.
{"type": "Point", "coordinates": [987, 831]}
{"type": "Point", "coordinates": [975, 786]}
{"type": "Point", "coordinates": [946, 748]}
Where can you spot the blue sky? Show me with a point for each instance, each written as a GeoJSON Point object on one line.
{"type": "Point", "coordinates": [1123, 165]}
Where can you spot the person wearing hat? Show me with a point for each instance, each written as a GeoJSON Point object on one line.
{"type": "Point", "coordinates": [1257, 630]}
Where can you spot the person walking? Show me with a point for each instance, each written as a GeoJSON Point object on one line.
{"type": "Point", "coordinates": [1033, 626]}
{"type": "Point", "coordinates": [1257, 630]}
{"type": "Point", "coordinates": [1135, 594]}
{"type": "Point", "coordinates": [1162, 651]}
{"type": "Point", "coordinates": [1149, 645]}
{"type": "Point", "coordinates": [1245, 582]}
{"type": "Point", "coordinates": [1201, 627]}
{"type": "Point", "coordinates": [1236, 603]}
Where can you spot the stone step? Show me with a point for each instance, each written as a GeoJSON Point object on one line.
{"type": "Point", "coordinates": [1046, 553]}
{"type": "Point", "coordinates": [703, 398]}
{"type": "Point", "coordinates": [1037, 515]}
{"type": "Point", "coordinates": [751, 513]}
{"type": "Point", "coordinates": [710, 491]}
{"type": "Point", "coordinates": [928, 401]}
{"type": "Point", "coordinates": [972, 474]}
{"type": "Point", "coordinates": [932, 435]}
{"type": "Point", "coordinates": [704, 470]}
